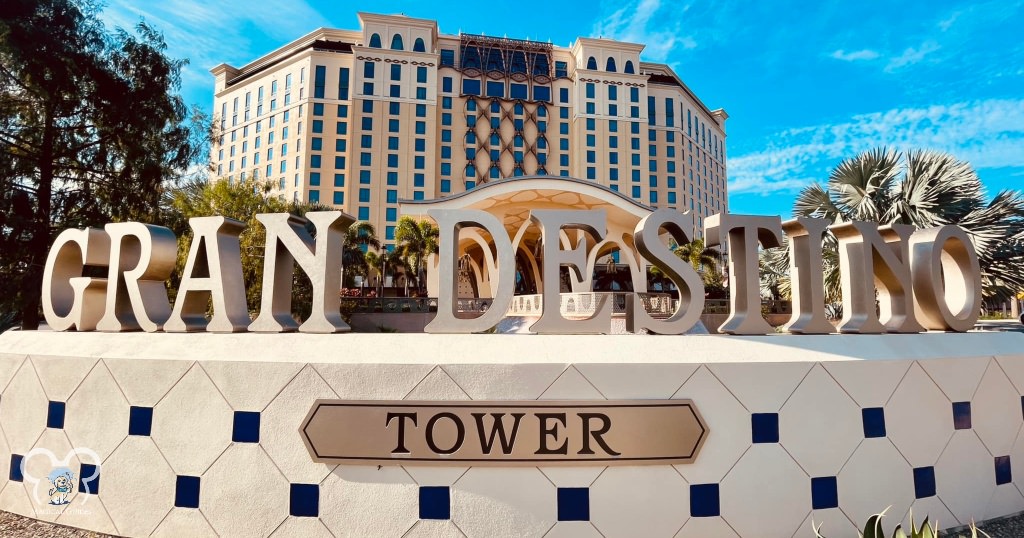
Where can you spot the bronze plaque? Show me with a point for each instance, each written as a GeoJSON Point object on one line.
{"type": "Point", "coordinates": [503, 433]}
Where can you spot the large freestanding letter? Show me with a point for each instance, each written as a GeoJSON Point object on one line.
{"type": "Point", "coordinates": [70, 299]}
{"type": "Point", "coordinates": [742, 233]}
{"type": "Point", "coordinates": [806, 276]}
{"type": "Point", "coordinates": [947, 279]}
{"type": "Point", "coordinates": [213, 271]}
{"type": "Point", "coordinates": [449, 222]}
{"type": "Point", "coordinates": [288, 243]}
{"type": "Point", "coordinates": [142, 257]}
{"type": "Point", "coordinates": [551, 223]}
{"type": "Point", "coordinates": [691, 288]}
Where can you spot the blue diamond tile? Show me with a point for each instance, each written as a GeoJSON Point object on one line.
{"type": "Point", "coordinates": [435, 502]}
{"type": "Point", "coordinates": [874, 421]}
{"type": "Point", "coordinates": [305, 500]}
{"type": "Point", "coordinates": [89, 479]}
{"type": "Point", "coordinates": [55, 415]}
{"type": "Point", "coordinates": [962, 415]}
{"type": "Point", "coordinates": [824, 492]}
{"type": "Point", "coordinates": [1003, 474]}
{"type": "Point", "coordinates": [704, 500]}
{"type": "Point", "coordinates": [765, 427]}
{"type": "Point", "coordinates": [246, 428]}
{"type": "Point", "coordinates": [186, 492]}
{"type": "Point", "coordinates": [924, 482]}
{"type": "Point", "coordinates": [573, 504]}
{"type": "Point", "coordinates": [140, 420]}
{"type": "Point", "coordinates": [16, 460]}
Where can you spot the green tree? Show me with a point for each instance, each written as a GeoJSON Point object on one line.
{"type": "Point", "coordinates": [241, 201]}
{"type": "Point", "coordinates": [90, 128]}
{"type": "Point", "coordinates": [703, 259]}
{"type": "Point", "coordinates": [360, 235]}
{"type": "Point", "coordinates": [414, 241]}
{"type": "Point", "coordinates": [921, 188]}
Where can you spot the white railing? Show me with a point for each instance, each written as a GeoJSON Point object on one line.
{"type": "Point", "coordinates": [585, 305]}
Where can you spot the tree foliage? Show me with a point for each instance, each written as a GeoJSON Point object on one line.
{"type": "Point", "coordinates": [414, 241]}
{"type": "Point", "coordinates": [921, 188]}
{"type": "Point", "coordinates": [91, 127]}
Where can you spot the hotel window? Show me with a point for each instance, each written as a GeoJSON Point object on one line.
{"type": "Point", "coordinates": [650, 110]}
{"type": "Point", "coordinates": [592, 64]}
{"type": "Point", "coordinates": [375, 41]}
{"type": "Point", "coordinates": [518, 91]}
{"type": "Point", "coordinates": [654, 197]}
{"type": "Point", "coordinates": [421, 144]}
{"type": "Point", "coordinates": [365, 158]}
{"type": "Point", "coordinates": [392, 178]}
{"type": "Point", "coordinates": [563, 97]}
{"type": "Point", "coordinates": [613, 110]}
{"type": "Point", "coordinates": [392, 160]}
{"type": "Point", "coordinates": [421, 127]}
{"type": "Point", "coordinates": [395, 91]}
{"type": "Point", "coordinates": [418, 45]}
{"type": "Point", "coordinates": [613, 92]}
{"type": "Point", "coordinates": [446, 84]}
{"type": "Point", "coordinates": [339, 198]}
{"type": "Point", "coordinates": [284, 150]}
{"type": "Point", "coordinates": [591, 172]}
{"type": "Point", "coordinates": [314, 196]}
{"type": "Point", "coordinates": [590, 108]}
{"type": "Point", "coordinates": [364, 213]}
{"type": "Point", "coordinates": [393, 143]}
{"type": "Point", "coordinates": [561, 69]}
{"type": "Point", "coordinates": [314, 161]}
{"type": "Point", "coordinates": [368, 69]}
{"type": "Point", "coordinates": [393, 126]}
{"type": "Point", "coordinates": [396, 42]}
{"type": "Point", "coordinates": [590, 90]}
{"type": "Point", "coordinates": [339, 162]}
{"type": "Point", "coordinates": [447, 58]}
{"type": "Point", "coordinates": [421, 74]}
{"type": "Point", "coordinates": [367, 88]}
{"type": "Point", "coordinates": [495, 89]}
{"type": "Point", "coordinates": [367, 124]}
{"type": "Point", "coordinates": [634, 95]}
{"type": "Point", "coordinates": [318, 110]}
{"type": "Point", "coordinates": [396, 72]}
{"type": "Point", "coordinates": [318, 126]}
{"type": "Point", "coordinates": [343, 75]}
{"type": "Point", "coordinates": [670, 112]}
{"type": "Point", "coordinates": [364, 177]}
{"type": "Point", "coordinates": [391, 214]}
{"type": "Point", "coordinates": [364, 195]}
{"type": "Point", "coordinates": [421, 93]}
{"type": "Point", "coordinates": [470, 170]}
{"type": "Point", "coordinates": [317, 143]}
{"type": "Point", "coordinates": [590, 124]}
{"type": "Point", "coordinates": [394, 108]}
{"type": "Point", "coordinates": [392, 196]}
{"type": "Point", "coordinates": [470, 87]}
{"type": "Point", "coordinates": [446, 135]}
{"type": "Point", "coordinates": [591, 156]}
{"type": "Point", "coordinates": [319, 81]}
{"type": "Point", "coordinates": [591, 140]}
{"type": "Point", "coordinates": [446, 185]}
{"type": "Point", "coordinates": [446, 119]}
{"type": "Point", "coordinates": [341, 128]}
{"type": "Point", "coordinates": [314, 179]}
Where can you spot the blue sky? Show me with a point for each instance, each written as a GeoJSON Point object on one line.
{"type": "Point", "coordinates": [805, 83]}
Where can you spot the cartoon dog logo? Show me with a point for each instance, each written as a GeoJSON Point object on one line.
{"type": "Point", "coordinates": [63, 481]}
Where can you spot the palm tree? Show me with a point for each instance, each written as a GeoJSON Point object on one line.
{"type": "Point", "coordinates": [361, 235]}
{"type": "Point", "coordinates": [700, 257]}
{"type": "Point", "coordinates": [922, 188]}
{"type": "Point", "coordinates": [414, 241]}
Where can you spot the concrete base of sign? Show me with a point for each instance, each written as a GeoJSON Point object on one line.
{"type": "Point", "coordinates": [193, 435]}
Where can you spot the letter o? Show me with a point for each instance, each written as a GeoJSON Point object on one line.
{"type": "Point", "coordinates": [460, 433]}
{"type": "Point", "coordinates": [946, 279]}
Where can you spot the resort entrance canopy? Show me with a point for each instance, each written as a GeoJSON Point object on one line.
{"type": "Point", "coordinates": [511, 200]}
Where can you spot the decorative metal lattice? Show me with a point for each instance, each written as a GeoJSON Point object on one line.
{"type": "Point", "coordinates": [501, 57]}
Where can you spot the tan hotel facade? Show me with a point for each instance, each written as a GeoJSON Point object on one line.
{"type": "Point", "coordinates": [362, 119]}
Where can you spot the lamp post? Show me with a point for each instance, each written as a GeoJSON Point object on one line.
{"type": "Point", "coordinates": [383, 270]}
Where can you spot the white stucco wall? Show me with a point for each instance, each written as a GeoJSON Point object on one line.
{"type": "Point", "coordinates": [815, 387]}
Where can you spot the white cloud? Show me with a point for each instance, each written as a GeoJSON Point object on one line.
{"type": "Point", "coordinates": [988, 134]}
{"type": "Point", "coordinates": [209, 33]}
{"type": "Point", "coordinates": [649, 22]}
{"type": "Point", "coordinates": [912, 55]}
{"type": "Point", "coordinates": [853, 56]}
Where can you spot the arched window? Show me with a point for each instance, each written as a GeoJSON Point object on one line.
{"type": "Point", "coordinates": [418, 45]}
{"type": "Point", "coordinates": [592, 63]}
{"type": "Point", "coordinates": [610, 66]}
{"type": "Point", "coordinates": [629, 68]}
{"type": "Point", "coordinates": [396, 42]}
{"type": "Point", "coordinates": [375, 41]}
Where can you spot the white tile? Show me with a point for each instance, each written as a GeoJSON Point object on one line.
{"type": "Point", "coordinates": [504, 502]}
{"type": "Point", "coordinates": [573, 529]}
{"type": "Point", "coordinates": [89, 514]}
{"type": "Point", "coordinates": [307, 527]}
{"type": "Point", "coordinates": [250, 386]}
{"type": "Point", "coordinates": [572, 477]}
{"type": "Point", "coordinates": [192, 424]}
{"type": "Point", "coordinates": [5, 463]}
{"type": "Point", "coordinates": [369, 501]}
{"type": "Point", "coordinates": [184, 522]}
{"type": "Point", "coordinates": [833, 522]}
{"type": "Point", "coordinates": [14, 498]}
{"type": "Point", "coordinates": [761, 387]}
{"type": "Point", "coordinates": [965, 477]}
{"type": "Point", "coordinates": [571, 385]}
{"type": "Point", "coordinates": [145, 382]}
{"type": "Point", "coordinates": [504, 381]}
{"type": "Point", "coordinates": [380, 381]}
{"type": "Point", "coordinates": [632, 380]}
{"type": "Point", "coordinates": [958, 377]}
{"type": "Point", "coordinates": [437, 385]}
{"type": "Point", "coordinates": [96, 415]}
{"type": "Point", "coordinates": [9, 365]}
{"type": "Point", "coordinates": [1013, 365]}
{"type": "Point", "coordinates": [876, 466]}
{"type": "Point", "coordinates": [995, 411]}
{"type": "Point", "coordinates": [434, 528]}
{"type": "Point", "coordinates": [243, 494]}
{"type": "Point", "coordinates": [61, 375]}
{"type": "Point", "coordinates": [654, 496]}
{"type": "Point", "coordinates": [820, 426]}
{"type": "Point", "coordinates": [435, 476]}
{"type": "Point", "coordinates": [1006, 500]}
{"type": "Point", "coordinates": [729, 433]}
{"type": "Point", "coordinates": [280, 421]}
{"type": "Point", "coordinates": [766, 494]}
{"type": "Point", "coordinates": [932, 508]}
{"type": "Point", "coordinates": [23, 409]}
{"type": "Point", "coordinates": [869, 382]}
{"type": "Point", "coordinates": [704, 527]}
{"type": "Point", "coordinates": [919, 418]}
{"type": "Point", "coordinates": [137, 471]}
